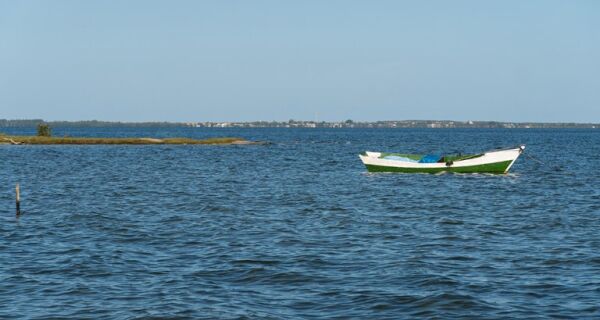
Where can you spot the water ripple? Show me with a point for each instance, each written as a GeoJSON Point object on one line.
{"type": "Point", "coordinates": [298, 229]}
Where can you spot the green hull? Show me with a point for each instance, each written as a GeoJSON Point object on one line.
{"type": "Point", "coordinates": [497, 167]}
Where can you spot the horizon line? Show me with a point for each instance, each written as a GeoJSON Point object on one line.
{"type": "Point", "coordinates": [296, 120]}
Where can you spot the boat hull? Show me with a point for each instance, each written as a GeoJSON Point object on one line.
{"type": "Point", "coordinates": [495, 162]}
{"type": "Point", "coordinates": [498, 167]}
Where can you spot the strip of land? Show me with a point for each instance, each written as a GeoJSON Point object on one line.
{"type": "Point", "coordinates": [32, 123]}
{"type": "Point", "coordinates": [16, 140]}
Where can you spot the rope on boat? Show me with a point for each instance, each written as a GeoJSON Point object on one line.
{"type": "Point", "coordinates": [530, 157]}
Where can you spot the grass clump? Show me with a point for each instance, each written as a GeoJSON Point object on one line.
{"type": "Point", "coordinates": [43, 130]}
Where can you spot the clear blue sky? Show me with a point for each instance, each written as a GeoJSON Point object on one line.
{"type": "Point", "coordinates": [275, 60]}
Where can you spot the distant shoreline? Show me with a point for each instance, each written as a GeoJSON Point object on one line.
{"type": "Point", "coordinates": [32, 123]}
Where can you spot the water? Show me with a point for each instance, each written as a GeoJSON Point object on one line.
{"type": "Point", "coordinates": [298, 229]}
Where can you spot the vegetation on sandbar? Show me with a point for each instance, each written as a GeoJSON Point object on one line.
{"type": "Point", "coordinates": [115, 141]}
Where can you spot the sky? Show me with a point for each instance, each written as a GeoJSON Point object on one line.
{"type": "Point", "coordinates": [226, 60]}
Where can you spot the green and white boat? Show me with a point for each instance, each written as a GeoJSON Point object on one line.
{"type": "Point", "coordinates": [496, 161]}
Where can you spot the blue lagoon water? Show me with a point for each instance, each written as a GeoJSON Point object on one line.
{"type": "Point", "coordinates": [298, 229]}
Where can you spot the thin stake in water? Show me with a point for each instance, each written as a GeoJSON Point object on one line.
{"type": "Point", "coordinates": [18, 200]}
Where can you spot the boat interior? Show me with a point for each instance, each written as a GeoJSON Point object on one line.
{"type": "Point", "coordinates": [428, 158]}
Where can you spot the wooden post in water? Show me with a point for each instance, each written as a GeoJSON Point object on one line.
{"type": "Point", "coordinates": [18, 200]}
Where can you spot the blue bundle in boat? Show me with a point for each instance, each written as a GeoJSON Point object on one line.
{"type": "Point", "coordinates": [430, 158]}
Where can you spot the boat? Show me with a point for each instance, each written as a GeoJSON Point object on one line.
{"type": "Point", "coordinates": [497, 161]}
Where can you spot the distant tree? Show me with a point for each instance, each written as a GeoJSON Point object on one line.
{"type": "Point", "coordinates": [44, 130]}
{"type": "Point", "coordinates": [349, 121]}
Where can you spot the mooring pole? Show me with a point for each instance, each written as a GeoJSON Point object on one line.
{"type": "Point", "coordinates": [18, 200]}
